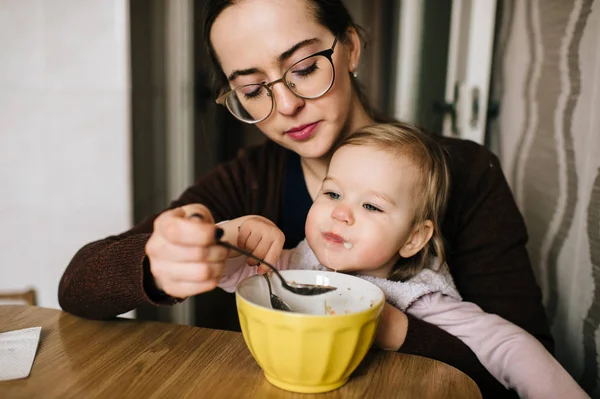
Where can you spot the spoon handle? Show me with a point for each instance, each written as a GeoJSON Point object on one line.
{"type": "Point", "coordinates": [219, 234]}
{"type": "Point", "coordinates": [251, 255]}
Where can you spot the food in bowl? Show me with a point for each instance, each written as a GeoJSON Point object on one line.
{"type": "Point", "coordinates": [316, 347]}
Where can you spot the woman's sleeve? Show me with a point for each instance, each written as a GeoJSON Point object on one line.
{"type": "Point", "coordinates": [106, 278]}
{"type": "Point", "coordinates": [487, 248]}
{"type": "Point", "coordinates": [486, 239]}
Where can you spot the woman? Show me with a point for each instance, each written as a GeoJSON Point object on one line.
{"type": "Point", "coordinates": [291, 64]}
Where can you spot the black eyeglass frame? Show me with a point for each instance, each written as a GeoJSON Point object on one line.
{"type": "Point", "coordinates": [328, 53]}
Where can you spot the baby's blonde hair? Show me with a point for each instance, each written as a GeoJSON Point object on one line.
{"type": "Point", "coordinates": [404, 140]}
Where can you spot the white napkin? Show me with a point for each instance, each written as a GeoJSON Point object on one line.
{"type": "Point", "coordinates": [17, 351]}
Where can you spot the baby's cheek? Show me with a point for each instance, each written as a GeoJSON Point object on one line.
{"type": "Point", "coordinates": [374, 257]}
{"type": "Point", "coordinates": [316, 220]}
{"type": "Point", "coordinates": [310, 228]}
{"type": "Point", "coordinates": [377, 252]}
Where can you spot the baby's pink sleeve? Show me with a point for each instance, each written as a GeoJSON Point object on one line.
{"type": "Point", "coordinates": [511, 355]}
{"type": "Point", "coordinates": [237, 269]}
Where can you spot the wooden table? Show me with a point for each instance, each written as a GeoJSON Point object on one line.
{"type": "Point", "coordinates": [80, 358]}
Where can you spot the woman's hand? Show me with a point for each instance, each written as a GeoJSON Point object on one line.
{"type": "Point", "coordinates": [392, 328]}
{"type": "Point", "coordinates": [184, 257]}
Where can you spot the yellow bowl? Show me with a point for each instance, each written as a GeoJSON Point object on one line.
{"type": "Point", "coordinates": [316, 348]}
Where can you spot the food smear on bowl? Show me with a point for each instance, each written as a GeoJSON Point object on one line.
{"type": "Point", "coordinates": [331, 312]}
{"type": "Point", "coordinates": [328, 309]}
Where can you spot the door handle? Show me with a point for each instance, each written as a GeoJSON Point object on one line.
{"type": "Point", "coordinates": [451, 109]}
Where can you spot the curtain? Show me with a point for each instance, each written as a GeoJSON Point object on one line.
{"type": "Point", "coordinates": [546, 77]}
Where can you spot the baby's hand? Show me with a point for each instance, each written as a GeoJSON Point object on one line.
{"type": "Point", "coordinates": [263, 238]}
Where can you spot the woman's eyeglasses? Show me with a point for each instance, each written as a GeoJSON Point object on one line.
{"type": "Point", "coordinates": [309, 78]}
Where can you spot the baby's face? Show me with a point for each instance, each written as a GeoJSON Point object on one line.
{"type": "Point", "coordinates": [362, 216]}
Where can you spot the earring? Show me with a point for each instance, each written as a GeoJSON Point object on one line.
{"type": "Point", "coordinates": [354, 73]}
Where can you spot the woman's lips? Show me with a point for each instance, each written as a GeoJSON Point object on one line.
{"type": "Point", "coordinates": [303, 132]}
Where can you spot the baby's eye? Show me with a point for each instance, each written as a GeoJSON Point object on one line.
{"type": "Point", "coordinates": [332, 195]}
{"type": "Point", "coordinates": [371, 208]}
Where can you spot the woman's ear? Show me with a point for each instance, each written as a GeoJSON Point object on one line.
{"type": "Point", "coordinates": [354, 48]}
{"type": "Point", "coordinates": [419, 237]}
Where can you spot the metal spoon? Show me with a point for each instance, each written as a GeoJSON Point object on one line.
{"type": "Point", "coordinates": [300, 289]}
{"type": "Point", "coordinates": [276, 302]}
{"type": "Point", "coordinates": [297, 288]}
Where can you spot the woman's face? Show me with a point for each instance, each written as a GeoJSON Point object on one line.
{"type": "Point", "coordinates": [260, 39]}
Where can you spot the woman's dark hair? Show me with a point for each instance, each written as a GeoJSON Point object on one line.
{"type": "Point", "coordinates": [332, 14]}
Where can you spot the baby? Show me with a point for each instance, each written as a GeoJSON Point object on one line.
{"type": "Point", "coordinates": [378, 216]}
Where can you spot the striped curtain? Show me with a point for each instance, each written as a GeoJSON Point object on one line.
{"type": "Point", "coordinates": [546, 77]}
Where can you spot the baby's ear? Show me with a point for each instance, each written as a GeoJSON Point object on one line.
{"type": "Point", "coordinates": [419, 237]}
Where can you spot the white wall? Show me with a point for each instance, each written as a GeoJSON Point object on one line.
{"type": "Point", "coordinates": [65, 175]}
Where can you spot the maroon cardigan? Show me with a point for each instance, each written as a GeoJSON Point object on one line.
{"type": "Point", "coordinates": [483, 229]}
